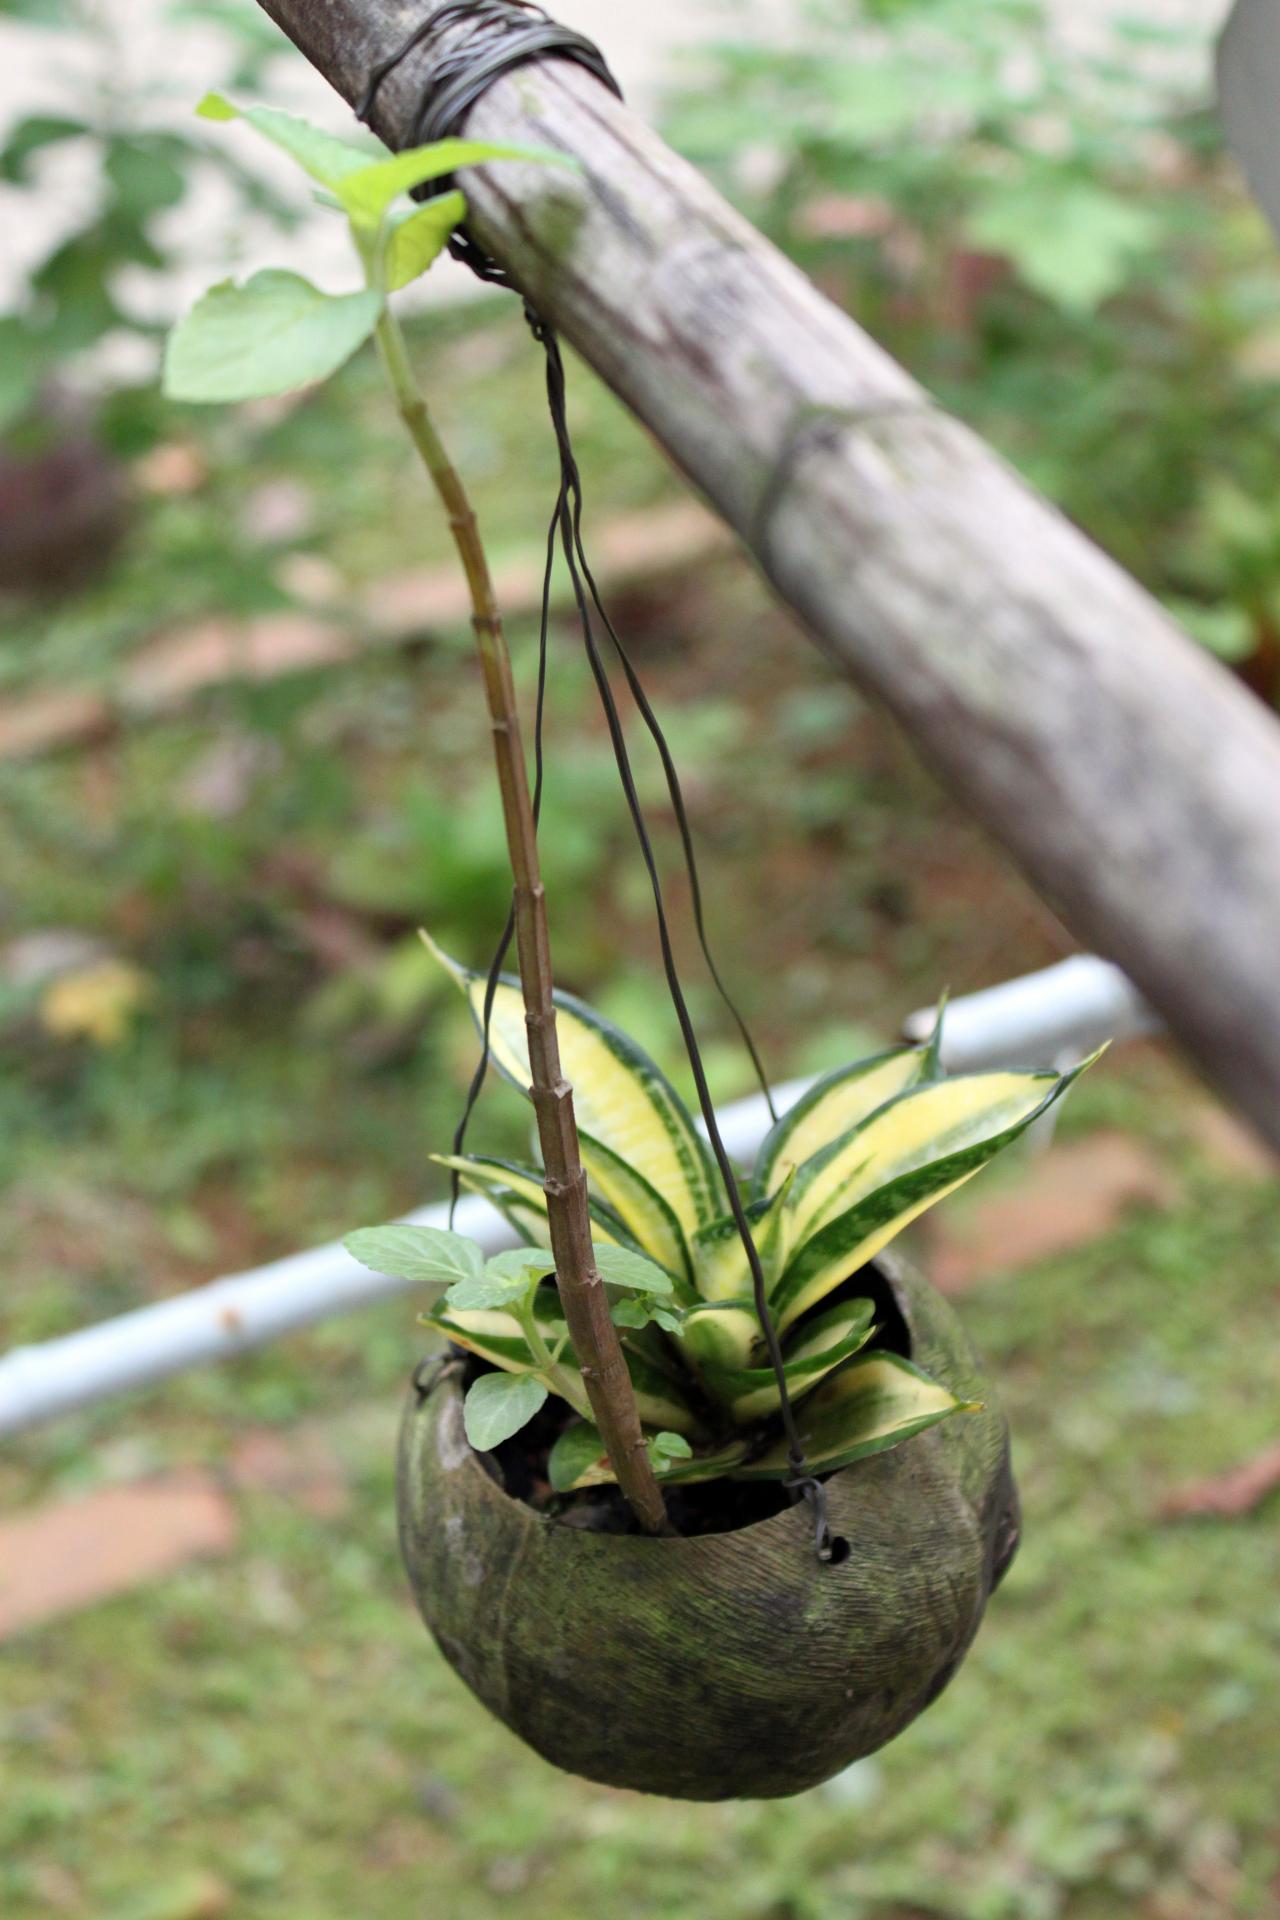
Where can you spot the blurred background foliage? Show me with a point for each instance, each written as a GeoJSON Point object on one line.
{"type": "Point", "coordinates": [220, 1041]}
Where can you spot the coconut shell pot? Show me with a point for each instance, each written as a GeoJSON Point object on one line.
{"type": "Point", "coordinates": [726, 1665]}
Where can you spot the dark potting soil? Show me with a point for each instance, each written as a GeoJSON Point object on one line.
{"type": "Point", "coordinates": [519, 1465]}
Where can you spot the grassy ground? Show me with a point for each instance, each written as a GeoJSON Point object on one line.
{"type": "Point", "coordinates": [273, 1734]}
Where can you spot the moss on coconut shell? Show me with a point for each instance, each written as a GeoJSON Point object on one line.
{"type": "Point", "coordinates": [728, 1665]}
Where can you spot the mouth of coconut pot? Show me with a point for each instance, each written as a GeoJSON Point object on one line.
{"type": "Point", "coordinates": [519, 1465]}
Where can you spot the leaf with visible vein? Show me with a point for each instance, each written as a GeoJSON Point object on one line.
{"type": "Point", "coordinates": [430, 1254]}
{"type": "Point", "coordinates": [498, 1405]}
{"type": "Point", "coordinates": [270, 336]}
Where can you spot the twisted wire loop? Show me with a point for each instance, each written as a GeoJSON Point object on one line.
{"type": "Point", "coordinates": [493, 38]}
{"type": "Point", "coordinates": [801, 1483]}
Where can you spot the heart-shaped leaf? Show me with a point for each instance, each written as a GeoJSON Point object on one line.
{"type": "Point", "coordinates": [273, 334]}
{"type": "Point", "coordinates": [431, 1254]}
{"type": "Point", "coordinates": [575, 1455]}
{"type": "Point", "coordinates": [498, 1405]}
{"type": "Point", "coordinates": [622, 1268]}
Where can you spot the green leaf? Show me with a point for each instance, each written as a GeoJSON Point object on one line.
{"type": "Point", "coordinates": [146, 176]}
{"type": "Point", "coordinates": [429, 1254]}
{"type": "Point", "coordinates": [498, 1405]}
{"type": "Point", "coordinates": [833, 1104]}
{"type": "Point", "coordinates": [645, 1311]}
{"type": "Point", "coordinates": [367, 194]}
{"type": "Point", "coordinates": [420, 238]}
{"type": "Point", "coordinates": [322, 155]}
{"type": "Point", "coordinates": [721, 1333]}
{"type": "Point", "coordinates": [1073, 242]}
{"type": "Point", "coordinates": [527, 1263]}
{"type": "Point", "coordinates": [622, 1100]}
{"type": "Point", "coordinates": [815, 1350]}
{"type": "Point", "coordinates": [275, 333]}
{"type": "Point", "coordinates": [22, 366]}
{"type": "Point", "coordinates": [32, 136]}
{"type": "Point", "coordinates": [578, 1459]}
{"type": "Point", "coordinates": [575, 1454]}
{"type": "Point", "coordinates": [622, 1268]}
{"type": "Point", "coordinates": [507, 1278]}
{"type": "Point", "coordinates": [875, 1402]}
{"type": "Point", "coordinates": [646, 1215]}
{"type": "Point", "coordinates": [902, 1160]}
{"type": "Point", "coordinates": [630, 1313]}
{"type": "Point", "coordinates": [488, 1332]}
{"type": "Point", "coordinates": [518, 1194]}
{"type": "Point", "coordinates": [483, 1291]}
{"type": "Point", "coordinates": [363, 175]}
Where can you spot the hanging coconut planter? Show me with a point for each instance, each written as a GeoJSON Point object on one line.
{"type": "Point", "coordinates": [714, 1496]}
{"type": "Point", "coordinates": [732, 1664]}
{"type": "Point", "coordinates": [711, 1498]}
{"type": "Point", "coordinates": [732, 1659]}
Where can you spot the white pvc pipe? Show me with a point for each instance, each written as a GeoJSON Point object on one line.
{"type": "Point", "coordinates": [1069, 1008]}
{"type": "Point", "coordinates": [1063, 1012]}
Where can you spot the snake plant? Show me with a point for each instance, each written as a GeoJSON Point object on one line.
{"type": "Point", "coordinates": [862, 1153]}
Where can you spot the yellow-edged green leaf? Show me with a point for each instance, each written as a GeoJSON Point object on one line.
{"type": "Point", "coordinates": [517, 1193]}
{"type": "Point", "coordinates": [622, 1099]}
{"type": "Point", "coordinates": [928, 1123]}
{"type": "Point", "coordinates": [661, 1396]}
{"type": "Point", "coordinates": [874, 1402]}
{"type": "Point", "coordinates": [901, 1161]}
{"type": "Point", "coordinates": [834, 1104]}
{"type": "Point", "coordinates": [578, 1459]}
{"type": "Point", "coordinates": [640, 1207]}
{"type": "Point", "coordinates": [819, 1347]}
{"type": "Point", "coordinates": [420, 238]}
{"type": "Point", "coordinates": [493, 1335]}
{"type": "Point", "coordinates": [720, 1334]}
{"type": "Point", "coordinates": [721, 1269]}
{"type": "Point", "coordinates": [661, 1399]}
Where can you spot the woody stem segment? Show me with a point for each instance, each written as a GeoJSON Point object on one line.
{"type": "Point", "coordinates": [586, 1306]}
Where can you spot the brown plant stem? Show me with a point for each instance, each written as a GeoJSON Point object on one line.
{"type": "Point", "coordinates": [586, 1306]}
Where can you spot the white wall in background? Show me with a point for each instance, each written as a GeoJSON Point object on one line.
{"type": "Point", "coordinates": [41, 71]}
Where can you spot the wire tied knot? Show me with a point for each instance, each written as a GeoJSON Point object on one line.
{"type": "Point", "coordinates": [801, 1484]}
{"type": "Point", "coordinates": [493, 37]}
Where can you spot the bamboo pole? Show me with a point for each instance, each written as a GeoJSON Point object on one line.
{"type": "Point", "coordinates": [1130, 778]}
{"type": "Point", "coordinates": [586, 1307]}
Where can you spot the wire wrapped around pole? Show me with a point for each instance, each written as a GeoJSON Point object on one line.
{"type": "Point", "coordinates": [493, 38]}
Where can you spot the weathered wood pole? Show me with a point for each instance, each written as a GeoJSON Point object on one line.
{"type": "Point", "coordinates": [1130, 778]}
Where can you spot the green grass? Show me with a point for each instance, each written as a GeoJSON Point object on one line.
{"type": "Point", "coordinates": [280, 1721]}
{"type": "Point", "coordinates": [273, 1736]}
